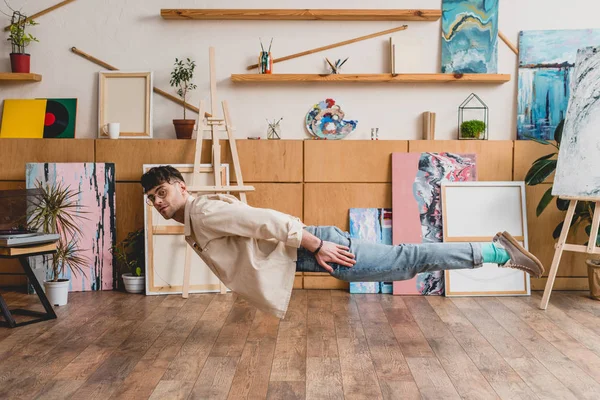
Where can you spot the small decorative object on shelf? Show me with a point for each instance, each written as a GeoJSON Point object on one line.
{"type": "Point", "coordinates": [19, 60]}
{"type": "Point", "coordinates": [335, 67]}
{"type": "Point", "coordinates": [473, 119]}
{"type": "Point", "coordinates": [265, 60]}
{"type": "Point", "coordinates": [374, 133]}
{"type": "Point", "coordinates": [325, 120]}
{"type": "Point", "coordinates": [274, 130]}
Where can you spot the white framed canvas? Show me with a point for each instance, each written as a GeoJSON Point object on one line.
{"type": "Point", "coordinates": [166, 245]}
{"type": "Point", "coordinates": [125, 98]}
{"type": "Point", "coordinates": [475, 212]}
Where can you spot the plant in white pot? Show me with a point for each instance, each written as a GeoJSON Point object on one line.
{"type": "Point", "coordinates": [130, 257]}
{"type": "Point", "coordinates": [181, 78]}
{"type": "Point", "coordinates": [19, 39]}
{"type": "Point", "coordinates": [55, 211]}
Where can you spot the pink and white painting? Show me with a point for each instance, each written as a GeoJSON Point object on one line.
{"type": "Point", "coordinates": [96, 184]}
{"type": "Point", "coordinates": [417, 206]}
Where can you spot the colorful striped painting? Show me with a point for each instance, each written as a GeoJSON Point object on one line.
{"type": "Point", "coordinates": [96, 184]}
{"type": "Point", "coordinates": [546, 60]}
{"type": "Point", "coordinates": [417, 206]}
{"type": "Point", "coordinates": [470, 36]}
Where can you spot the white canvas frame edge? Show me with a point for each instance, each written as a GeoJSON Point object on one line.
{"type": "Point", "coordinates": [521, 185]}
{"type": "Point", "coordinates": [145, 167]}
{"type": "Point", "coordinates": [149, 93]}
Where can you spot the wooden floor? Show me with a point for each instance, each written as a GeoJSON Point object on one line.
{"type": "Point", "coordinates": [332, 345]}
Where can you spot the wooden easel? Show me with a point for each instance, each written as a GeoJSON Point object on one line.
{"type": "Point", "coordinates": [561, 245]}
{"type": "Point", "coordinates": [208, 123]}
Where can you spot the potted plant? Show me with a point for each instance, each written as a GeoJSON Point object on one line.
{"type": "Point", "coordinates": [181, 78]}
{"type": "Point", "coordinates": [130, 257]}
{"type": "Point", "coordinates": [19, 39]}
{"type": "Point", "coordinates": [473, 129]}
{"type": "Point", "coordinates": [56, 212]}
{"type": "Point", "coordinates": [584, 211]}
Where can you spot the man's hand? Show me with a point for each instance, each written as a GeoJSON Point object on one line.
{"type": "Point", "coordinates": [335, 253]}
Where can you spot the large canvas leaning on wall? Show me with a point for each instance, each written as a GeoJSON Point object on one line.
{"type": "Point", "coordinates": [470, 36]}
{"type": "Point", "coordinates": [546, 60]}
{"type": "Point", "coordinates": [578, 166]}
{"type": "Point", "coordinates": [96, 184]}
{"type": "Point", "coordinates": [417, 208]}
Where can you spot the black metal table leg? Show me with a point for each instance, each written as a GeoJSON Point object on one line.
{"type": "Point", "coordinates": [8, 318]}
{"type": "Point", "coordinates": [38, 288]}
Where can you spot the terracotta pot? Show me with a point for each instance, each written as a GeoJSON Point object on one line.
{"type": "Point", "coordinates": [20, 62]}
{"type": "Point", "coordinates": [184, 128]}
{"type": "Point", "coordinates": [594, 278]}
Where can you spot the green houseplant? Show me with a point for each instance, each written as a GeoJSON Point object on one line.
{"type": "Point", "coordinates": [55, 211]}
{"type": "Point", "coordinates": [131, 260]}
{"type": "Point", "coordinates": [19, 40]}
{"type": "Point", "coordinates": [541, 169]}
{"type": "Point", "coordinates": [181, 78]}
{"type": "Point", "coordinates": [472, 129]}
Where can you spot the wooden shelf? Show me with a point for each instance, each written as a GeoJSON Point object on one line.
{"type": "Point", "coordinates": [399, 78]}
{"type": "Point", "coordinates": [10, 76]}
{"type": "Point", "coordinates": [302, 14]}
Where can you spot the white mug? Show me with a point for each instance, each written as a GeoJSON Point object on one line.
{"type": "Point", "coordinates": [113, 131]}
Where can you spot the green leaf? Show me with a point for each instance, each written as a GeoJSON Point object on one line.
{"type": "Point", "coordinates": [556, 233]}
{"type": "Point", "coordinates": [544, 201]}
{"type": "Point", "coordinates": [538, 140]}
{"type": "Point", "coordinates": [539, 171]}
{"type": "Point", "coordinates": [558, 131]}
{"type": "Point", "coordinates": [547, 156]}
{"type": "Point", "coordinates": [562, 204]}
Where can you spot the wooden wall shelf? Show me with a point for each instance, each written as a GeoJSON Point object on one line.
{"type": "Point", "coordinates": [10, 76]}
{"type": "Point", "coordinates": [398, 78]}
{"type": "Point", "coordinates": [302, 14]}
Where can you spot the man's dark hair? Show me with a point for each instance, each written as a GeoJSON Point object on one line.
{"type": "Point", "coordinates": [158, 175]}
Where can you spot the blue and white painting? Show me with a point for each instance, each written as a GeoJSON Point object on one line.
{"type": "Point", "coordinates": [325, 120]}
{"type": "Point", "coordinates": [371, 225]}
{"type": "Point", "coordinates": [578, 167]}
{"type": "Point", "coordinates": [470, 36]}
{"type": "Point", "coordinates": [546, 60]}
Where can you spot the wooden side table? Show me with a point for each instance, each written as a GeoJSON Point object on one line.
{"type": "Point", "coordinates": [22, 254]}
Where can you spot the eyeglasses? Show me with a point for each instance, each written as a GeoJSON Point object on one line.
{"type": "Point", "coordinates": [160, 193]}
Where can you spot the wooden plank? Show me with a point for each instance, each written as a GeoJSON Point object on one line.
{"type": "Point", "coordinates": [321, 342]}
{"type": "Point", "coordinates": [298, 281]}
{"type": "Point", "coordinates": [19, 76]}
{"type": "Point", "coordinates": [15, 153]}
{"type": "Point", "coordinates": [336, 160]}
{"type": "Point", "coordinates": [432, 380]}
{"type": "Point", "coordinates": [526, 152]}
{"type": "Point", "coordinates": [328, 203]}
{"type": "Point", "coordinates": [323, 281]}
{"type": "Point", "coordinates": [303, 14]}
{"type": "Point", "coordinates": [17, 251]}
{"type": "Point", "coordinates": [286, 390]}
{"type": "Point", "coordinates": [215, 379]}
{"type": "Point", "coordinates": [232, 337]}
{"type": "Point", "coordinates": [494, 157]}
{"type": "Point", "coordinates": [269, 160]}
{"type": "Point", "coordinates": [562, 283]}
{"type": "Point", "coordinates": [371, 78]}
{"type": "Point", "coordinates": [174, 390]}
{"type": "Point", "coordinates": [283, 197]}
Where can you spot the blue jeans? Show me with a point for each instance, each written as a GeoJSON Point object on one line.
{"type": "Point", "coordinates": [381, 262]}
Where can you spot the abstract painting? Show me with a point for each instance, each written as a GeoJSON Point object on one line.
{"type": "Point", "coordinates": [39, 118]}
{"type": "Point", "coordinates": [417, 208]}
{"type": "Point", "coordinates": [325, 120]}
{"type": "Point", "coordinates": [470, 36]}
{"type": "Point", "coordinates": [578, 166]}
{"type": "Point", "coordinates": [546, 60]}
{"type": "Point", "coordinates": [371, 225]}
{"type": "Point", "coordinates": [95, 183]}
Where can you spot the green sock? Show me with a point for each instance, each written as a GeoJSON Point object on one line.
{"type": "Point", "coordinates": [494, 254]}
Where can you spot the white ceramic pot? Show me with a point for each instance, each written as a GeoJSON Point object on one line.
{"type": "Point", "coordinates": [57, 292]}
{"type": "Point", "coordinates": [133, 284]}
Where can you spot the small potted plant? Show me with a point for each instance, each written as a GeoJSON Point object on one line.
{"type": "Point", "coordinates": [19, 39]}
{"type": "Point", "coordinates": [472, 129]}
{"type": "Point", "coordinates": [181, 78]}
{"type": "Point", "coordinates": [56, 212]}
{"type": "Point", "coordinates": [130, 257]}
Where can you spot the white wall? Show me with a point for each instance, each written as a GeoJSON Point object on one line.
{"type": "Point", "coordinates": [132, 36]}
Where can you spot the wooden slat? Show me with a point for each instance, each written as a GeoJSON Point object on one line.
{"type": "Point", "coordinates": [526, 152]}
{"type": "Point", "coordinates": [494, 157]}
{"type": "Point", "coordinates": [371, 78]}
{"type": "Point", "coordinates": [315, 280]}
{"type": "Point", "coordinates": [22, 77]}
{"type": "Point", "coordinates": [562, 283]}
{"type": "Point", "coordinates": [269, 160]}
{"type": "Point", "coordinates": [338, 160]}
{"type": "Point", "coordinates": [328, 203]}
{"type": "Point", "coordinates": [283, 197]}
{"type": "Point", "coordinates": [17, 251]}
{"type": "Point", "coordinates": [15, 153]}
{"type": "Point", "coordinates": [303, 14]}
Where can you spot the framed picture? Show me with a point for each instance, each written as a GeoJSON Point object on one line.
{"type": "Point", "coordinates": [125, 98]}
{"type": "Point", "coordinates": [475, 212]}
{"type": "Point", "coordinates": [166, 245]}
